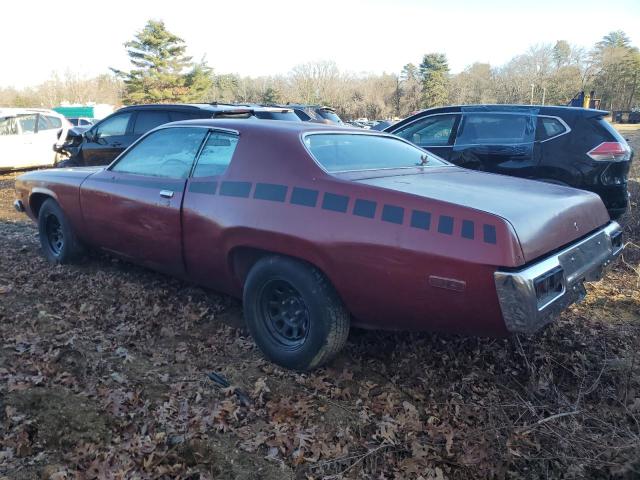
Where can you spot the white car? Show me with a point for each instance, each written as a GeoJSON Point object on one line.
{"type": "Point", "coordinates": [28, 137]}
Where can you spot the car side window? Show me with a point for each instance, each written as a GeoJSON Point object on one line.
{"type": "Point", "coordinates": [46, 122]}
{"type": "Point", "coordinates": [302, 115]}
{"type": "Point", "coordinates": [8, 126]}
{"type": "Point", "coordinates": [495, 129]}
{"type": "Point", "coordinates": [549, 127]}
{"type": "Point", "coordinates": [114, 126]}
{"type": "Point", "coordinates": [148, 120]}
{"type": "Point", "coordinates": [216, 154]}
{"type": "Point", "coordinates": [177, 116]}
{"type": "Point", "coordinates": [433, 130]}
{"type": "Point", "coordinates": [168, 153]}
{"type": "Point", "coordinates": [54, 122]}
{"type": "Point", "coordinates": [27, 123]}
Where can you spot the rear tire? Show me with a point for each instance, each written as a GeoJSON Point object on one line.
{"type": "Point", "coordinates": [57, 238]}
{"type": "Point", "coordinates": [293, 313]}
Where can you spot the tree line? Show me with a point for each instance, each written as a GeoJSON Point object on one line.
{"type": "Point", "coordinates": [161, 72]}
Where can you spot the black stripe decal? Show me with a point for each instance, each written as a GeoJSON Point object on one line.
{"type": "Point", "coordinates": [393, 214]}
{"type": "Point", "coordinates": [304, 196]}
{"type": "Point", "coordinates": [335, 203]}
{"type": "Point", "coordinates": [235, 189]}
{"type": "Point", "coordinates": [445, 224]}
{"type": "Point", "coordinates": [203, 187]}
{"type": "Point", "coordinates": [489, 233]}
{"type": "Point", "coordinates": [467, 229]}
{"type": "Point", "coordinates": [420, 219]}
{"type": "Point", "coordinates": [270, 191]}
{"type": "Point", "coordinates": [364, 208]}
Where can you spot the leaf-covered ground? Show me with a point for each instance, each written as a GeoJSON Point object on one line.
{"type": "Point", "coordinates": [104, 374]}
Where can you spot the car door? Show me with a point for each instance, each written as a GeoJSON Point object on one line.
{"type": "Point", "coordinates": [203, 213]}
{"type": "Point", "coordinates": [12, 144]}
{"type": "Point", "coordinates": [45, 138]}
{"type": "Point", "coordinates": [107, 139]}
{"type": "Point", "coordinates": [133, 208]}
{"type": "Point", "coordinates": [434, 133]}
{"type": "Point", "coordinates": [27, 156]}
{"type": "Point", "coordinates": [498, 142]}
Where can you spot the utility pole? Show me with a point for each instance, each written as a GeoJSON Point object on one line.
{"type": "Point", "coordinates": [532, 87]}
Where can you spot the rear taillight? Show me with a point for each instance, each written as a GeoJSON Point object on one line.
{"type": "Point", "coordinates": [549, 286]}
{"type": "Point", "coordinates": [610, 152]}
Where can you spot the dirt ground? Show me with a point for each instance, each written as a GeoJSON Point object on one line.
{"type": "Point", "coordinates": [104, 374]}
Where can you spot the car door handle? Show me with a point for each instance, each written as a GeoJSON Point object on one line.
{"type": "Point", "coordinates": [166, 193]}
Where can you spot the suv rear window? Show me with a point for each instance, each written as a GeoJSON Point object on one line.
{"type": "Point", "coordinates": [495, 129]}
{"type": "Point", "coordinates": [339, 152]}
{"type": "Point", "coordinates": [604, 125]}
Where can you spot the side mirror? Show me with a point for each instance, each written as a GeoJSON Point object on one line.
{"type": "Point", "coordinates": [91, 135]}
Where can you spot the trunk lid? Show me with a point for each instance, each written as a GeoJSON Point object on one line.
{"type": "Point", "coordinates": [544, 216]}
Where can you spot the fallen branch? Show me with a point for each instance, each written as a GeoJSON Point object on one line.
{"type": "Point", "coordinates": [528, 428]}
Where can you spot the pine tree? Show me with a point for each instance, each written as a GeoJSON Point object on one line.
{"type": "Point", "coordinates": [434, 72]}
{"type": "Point", "coordinates": [162, 72]}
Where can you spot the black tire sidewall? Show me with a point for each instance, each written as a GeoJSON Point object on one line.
{"type": "Point", "coordinates": [308, 282]}
{"type": "Point", "coordinates": [69, 248]}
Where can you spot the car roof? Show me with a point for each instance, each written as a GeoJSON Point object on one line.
{"type": "Point", "coordinates": [10, 111]}
{"type": "Point", "coordinates": [270, 126]}
{"type": "Point", "coordinates": [210, 107]}
{"type": "Point", "coordinates": [540, 109]}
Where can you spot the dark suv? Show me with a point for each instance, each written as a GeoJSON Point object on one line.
{"type": "Point", "coordinates": [315, 113]}
{"type": "Point", "coordinates": [104, 141]}
{"type": "Point", "coordinates": [570, 146]}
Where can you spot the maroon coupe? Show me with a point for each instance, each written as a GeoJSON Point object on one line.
{"type": "Point", "coordinates": [319, 227]}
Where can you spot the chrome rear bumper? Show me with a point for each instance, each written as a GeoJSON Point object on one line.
{"type": "Point", "coordinates": [524, 312]}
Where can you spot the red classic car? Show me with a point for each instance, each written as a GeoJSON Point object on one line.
{"type": "Point", "coordinates": [319, 227]}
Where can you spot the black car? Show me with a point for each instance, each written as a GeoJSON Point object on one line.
{"type": "Point", "coordinates": [105, 140]}
{"type": "Point", "coordinates": [570, 146]}
{"type": "Point", "coordinates": [315, 113]}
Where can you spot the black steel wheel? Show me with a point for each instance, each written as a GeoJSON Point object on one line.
{"type": "Point", "coordinates": [54, 233]}
{"type": "Point", "coordinates": [293, 313]}
{"type": "Point", "coordinates": [285, 313]}
{"type": "Point", "coordinates": [57, 238]}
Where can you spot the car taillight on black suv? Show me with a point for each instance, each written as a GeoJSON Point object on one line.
{"type": "Point", "coordinates": [611, 152]}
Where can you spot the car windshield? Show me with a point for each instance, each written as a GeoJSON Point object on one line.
{"type": "Point", "coordinates": [338, 152]}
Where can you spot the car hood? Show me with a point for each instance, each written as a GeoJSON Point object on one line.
{"type": "Point", "coordinates": [52, 173]}
{"type": "Point", "coordinates": [544, 216]}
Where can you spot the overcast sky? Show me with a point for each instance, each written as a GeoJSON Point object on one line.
{"type": "Point", "coordinates": [268, 37]}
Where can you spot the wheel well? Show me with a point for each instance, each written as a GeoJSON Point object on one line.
{"type": "Point", "coordinates": [242, 259]}
{"type": "Point", "coordinates": [36, 200]}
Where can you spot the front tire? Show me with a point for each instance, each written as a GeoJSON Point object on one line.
{"type": "Point", "coordinates": [57, 238]}
{"type": "Point", "coordinates": [293, 313]}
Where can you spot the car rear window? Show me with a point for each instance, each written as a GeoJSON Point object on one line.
{"type": "Point", "coordinates": [607, 127]}
{"type": "Point", "coordinates": [328, 115]}
{"type": "Point", "coordinates": [268, 115]}
{"type": "Point", "coordinates": [338, 152]}
{"type": "Point", "coordinates": [495, 129]}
